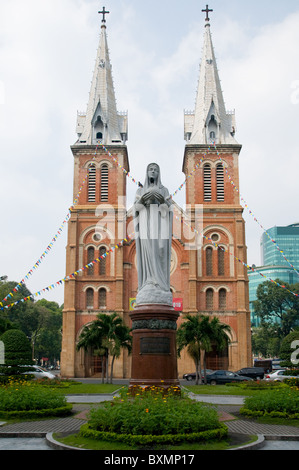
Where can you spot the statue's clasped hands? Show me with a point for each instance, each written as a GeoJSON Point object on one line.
{"type": "Point", "coordinates": [152, 196]}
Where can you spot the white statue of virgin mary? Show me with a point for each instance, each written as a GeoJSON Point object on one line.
{"type": "Point", "coordinates": [153, 219]}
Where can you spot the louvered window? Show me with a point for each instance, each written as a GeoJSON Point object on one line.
{"type": "Point", "coordinates": [207, 183]}
{"type": "Point", "coordinates": [104, 183]}
{"type": "Point", "coordinates": [91, 183]}
{"type": "Point", "coordinates": [209, 299]}
{"type": "Point", "coordinates": [102, 264]}
{"type": "Point", "coordinates": [220, 182]}
{"type": "Point", "coordinates": [222, 299]}
{"type": "Point", "coordinates": [90, 258]}
{"type": "Point", "coordinates": [102, 298]}
{"type": "Point", "coordinates": [209, 261]}
{"type": "Point", "coordinates": [89, 298]}
{"type": "Point", "coordinates": [220, 261]}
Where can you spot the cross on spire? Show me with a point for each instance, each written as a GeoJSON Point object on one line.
{"type": "Point", "coordinates": [207, 11]}
{"type": "Point", "coordinates": [104, 12]}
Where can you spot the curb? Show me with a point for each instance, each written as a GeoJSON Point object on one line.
{"type": "Point", "coordinates": [58, 445]}
{"type": "Point", "coordinates": [258, 444]}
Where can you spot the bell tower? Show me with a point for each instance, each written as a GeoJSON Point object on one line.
{"type": "Point", "coordinates": [218, 283]}
{"type": "Point", "coordinates": [97, 217]}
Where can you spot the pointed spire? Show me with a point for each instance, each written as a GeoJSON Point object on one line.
{"type": "Point", "coordinates": [210, 121]}
{"type": "Point", "coordinates": [102, 122]}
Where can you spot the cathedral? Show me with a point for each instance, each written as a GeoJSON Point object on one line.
{"type": "Point", "coordinates": [207, 242]}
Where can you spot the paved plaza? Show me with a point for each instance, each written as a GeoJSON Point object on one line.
{"type": "Point", "coordinates": [37, 435]}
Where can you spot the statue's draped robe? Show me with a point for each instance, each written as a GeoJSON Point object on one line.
{"type": "Point", "coordinates": [153, 235]}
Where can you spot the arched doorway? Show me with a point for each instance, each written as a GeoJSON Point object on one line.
{"type": "Point", "coordinates": [216, 359]}
{"type": "Point", "coordinates": [94, 364]}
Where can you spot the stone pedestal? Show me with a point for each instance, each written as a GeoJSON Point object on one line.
{"type": "Point", "coordinates": [154, 356]}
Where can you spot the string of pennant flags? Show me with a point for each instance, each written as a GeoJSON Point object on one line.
{"type": "Point", "coordinates": [126, 172]}
{"type": "Point", "coordinates": [236, 258]}
{"type": "Point", "coordinates": [53, 240]}
{"type": "Point", "coordinates": [121, 244]}
{"type": "Point", "coordinates": [59, 231]}
{"type": "Point", "coordinates": [191, 173]}
{"type": "Point", "coordinates": [70, 276]}
{"type": "Point", "coordinates": [135, 181]}
{"type": "Point", "coordinates": [49, 247]}
{"type": "Point", "coordinates": [252, 214]}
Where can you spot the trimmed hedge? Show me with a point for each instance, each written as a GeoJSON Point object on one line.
{"type": "Point", "coordinates": [271, 414]}
{"type": "Point", "coordinates": [283, 403]}
{"type": "Point", "coordinates": [30, 414]}
{"type": "Point", "coordinates": [149, 439]}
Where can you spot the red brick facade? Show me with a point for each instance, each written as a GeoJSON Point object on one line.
{"type": "Point", "coordinates": [208, 279]}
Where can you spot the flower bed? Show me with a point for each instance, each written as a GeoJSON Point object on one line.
{"type": "Point", "coordinates": [150, 416]}
{"type": "Point", "coordinates": [27, 399]}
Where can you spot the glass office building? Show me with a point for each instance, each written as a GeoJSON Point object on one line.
{"type": "Point", "coordinates": [265, 273]}
{"type": "Point", "coordinates": [275, 266]}
{"type": "Point", "coordinates": [287, 240]}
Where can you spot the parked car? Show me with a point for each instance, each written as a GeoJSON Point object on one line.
{"type": "Point", "coordinates": [279, 376]}
{"type": "Point", "coordinates": [38, 372]}
{"type": "Point", "coordinates": [225, 376]}
{"type": "Point", "coordinates": [192, 375]}
{"type": "Point", "coordinates": [277, 367]}
{"type": "Point", "coordinates": [252, 372]}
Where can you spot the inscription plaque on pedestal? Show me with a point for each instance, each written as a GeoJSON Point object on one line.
{"type": "Point", "coordinates": [154, 345]}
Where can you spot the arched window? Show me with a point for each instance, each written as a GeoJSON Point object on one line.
{"type": "Point", "coordinates": [102, 298]}
{"type": "Point", "coordinates": [209, 261]}
{"type": "Point", "coordinates": [220, 261]}
{"type": "Point", "coordinates": [222, 299]}
{"type": "Point", "coordinates": [102, 264]}
{"type": "Point", "coordinates": [220, 182]}
{"type": "Point", "coordinates": [89, 298]}
{"type": "Point", "coordinates": [91, 183]}
{"type": "Point", "coordinates": [207, 182]}
{"type": "Point", "coordinates": [90, 258]}
{"type": "Point", "coordinates": [104, 182]}
{"type": "Point", "coordinates": [99, 135]}
{"type": "Point", "coordinates": [209, 299]}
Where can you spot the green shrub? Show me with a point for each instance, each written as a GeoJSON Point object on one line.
{"type": "Point", "coordinates": [292, 382]}
{"type": "Point", "coordinates": [257, 385]}
{"type": "Point", "coordinates": [153, 412]}
{"type": "Point", "coordinates": [17, 348]}
{"type": "Point", "coordinates": [37, 414]}
{"type": "Point", "coordinates": [283, 402]}
{"type": "Point", "coordinates": [21, 397]}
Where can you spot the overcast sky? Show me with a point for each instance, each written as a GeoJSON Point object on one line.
{"type": "Point", "coordinates": [47, 55]}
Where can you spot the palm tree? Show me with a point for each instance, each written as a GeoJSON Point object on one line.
{"type": "Point", "coordinates": [107, 335]}
{"type": "Point", "coordinates": [198, 334]}
{"type": "Point", "coordinates": [217, 334]}
{"type": "Point", "coordinates": [91, 337]}
{"type": "Point", "coordinates": [190, 336]}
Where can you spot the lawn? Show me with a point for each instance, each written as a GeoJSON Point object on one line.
{"type": "Point", "coordinates": [74, 440]}
{"type": "Point", "coordinates": [219, 390]}
{"type": "Point", "coordinates": [80, 388]}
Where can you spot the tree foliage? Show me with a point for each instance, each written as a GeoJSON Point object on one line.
{"type": "Point", "coordinates": [106, 336]}
{"type": "Point", "coordinates": [198, 334]}
{"type": "Point", "coordinates": [278, 310]}
{"type": "Point", "coordinates": [279, 306]}
{"type": "Point", "coordinates": [40, 321]}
